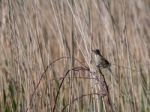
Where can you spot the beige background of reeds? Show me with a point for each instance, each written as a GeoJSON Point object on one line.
{"type": "Point", "coordinates": [33, 33]}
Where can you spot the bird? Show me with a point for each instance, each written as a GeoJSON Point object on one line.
{"type": "Point", "coordinates": [100, 61]}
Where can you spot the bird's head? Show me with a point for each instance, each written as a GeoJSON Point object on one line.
{"type": "Point", "coordinates": [97, 51]}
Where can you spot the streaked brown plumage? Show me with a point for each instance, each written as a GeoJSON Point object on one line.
{"type": "Point", "coordinates": [100, 61]}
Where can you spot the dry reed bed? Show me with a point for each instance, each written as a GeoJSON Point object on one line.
{"type": "Point", "coordinates": [34, 33]}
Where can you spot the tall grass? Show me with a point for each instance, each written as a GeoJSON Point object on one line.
{"type": "Point", "coordinates": [34, 33]}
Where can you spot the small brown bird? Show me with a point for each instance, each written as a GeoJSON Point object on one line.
{"type": "Point", "coordinates": [100, 61]}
